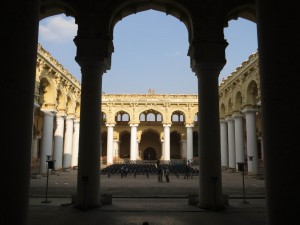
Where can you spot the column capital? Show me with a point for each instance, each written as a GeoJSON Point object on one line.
{"type": "Point", "coordinates": [61, 115]}
{"type": "Point", "coordinates": [189, 125]}
{"type": "Point", "coordinates": [237, 114]}
{"type": "Point", "coordinates": [70, 117]}
{"type": "Point", "coordinates": [229, 119]}
{"type": "Point", "coordinates": [51, 112]}
{"type": "Point", "coordinates": [94, 51]}
{"type": "Point", "coordinates": [222, 120]}
{"type": "Point", "coordinates": [247, 110]}
{"type": "Point", "coordinates": [166, 125]}
{"type": "Point", "coordinates": [207, 55]}
{"type": "Point", "coordinates": [133, 124]}
{"type": "Point", "coordinates": [110, 124]}
{"type": "Point", "coordinates": [36, 105]}
{"type": "Point", "coordinates": [77, 120]}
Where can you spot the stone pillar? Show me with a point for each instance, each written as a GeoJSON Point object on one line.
{"type": "Point", "coordinates": [19, 24]}
{"type": "Point", "coordinates": [59, 141]}
{"type": "Point", "coordinates": [280, 91]}
{"type": "Point", "coordinates": [224, 144]}
{"type": "Point", "coordinates": [207, 60]}
{"type": "Point", "coordinates": [133, 143]}
{"type": "Point", "coordinates": [67, 159]}
{"type": "Point", "coordinates": [47, 140]}
{"type": "Point", "coordinates": [250, 115]}
{"type": "Point", "coordinates": [88, 181]}
{"type": "Point", "coordinates": [93, 56]}
{"type": "Point", "coordinates": [75, 143]}
{"type": "Point", "coordinates": [162, 150]}
{"type": "Point", "coordinates": [231, 144]}
{"type": "Point", "coordinates": [183, 149]}
{"type": "Point", "coordinates": [261, 146]}
{"type": "Point", "coordinates": [189, 139]}
{"type": "Point", "coordinates": [110, 144]}
{"type": "Point", "coordinates": [138, 155]}
{"type": "Point", "coordinates": [239, 138]}
{"type": "Point", "coordinates": [167, 142]}
{"type": "Point", "coordinates": [116, 148]}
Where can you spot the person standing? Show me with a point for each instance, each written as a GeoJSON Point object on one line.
{"type": "Point", "coordinates": [186, 172]}
{"type": "Point", "coordinates": [159, 174]}
{"type": "Point", "coordinates": [167, 174]}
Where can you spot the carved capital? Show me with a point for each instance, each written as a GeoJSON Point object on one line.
{"type": "Point", "coordinates": [207, 55]}
{"type": "Point", "coordinates": [94, 51]}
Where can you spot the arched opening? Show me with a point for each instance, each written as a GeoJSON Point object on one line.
{"type": "Point", "coordinates": [125, 145]}
{"type": "Point", "coordinates": [241, 35]}
{"type": "Point", "coordinates": [195, 144]}
{"type": "Point", "coordinates": [175, 139]}
{"type": "Point", "coordinates": [150, 140]}
{"type": "Point", "coordinates": [104, 145]}
{"type": "Point", "coordinates": [149, 154]}
{"type": "Point", "coordinates": [136, 39]}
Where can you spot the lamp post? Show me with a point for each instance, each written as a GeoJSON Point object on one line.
{"type": "Point", "coordinates": [241, 167]}
{"type": "Point", "coordinates": [50, 165]}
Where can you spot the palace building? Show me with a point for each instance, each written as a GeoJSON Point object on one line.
{"type": "Point", "coordinates": [243, 119]}
{"type": "Point", "coordinates": [146, 126]}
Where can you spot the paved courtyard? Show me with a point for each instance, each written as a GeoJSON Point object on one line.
{"type": "Point", "coordinates": [140, 199]}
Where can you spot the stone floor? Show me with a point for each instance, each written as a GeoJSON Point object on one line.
{"type": "Point", "coordinates": [141, 199]}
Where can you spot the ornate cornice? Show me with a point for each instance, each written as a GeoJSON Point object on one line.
{"type": "Point", "coordinates": [55, 65]}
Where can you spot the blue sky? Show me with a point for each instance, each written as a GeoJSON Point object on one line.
{"type": "Point", "coordinates": [150, 52]}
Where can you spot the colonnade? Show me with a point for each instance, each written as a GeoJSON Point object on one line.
{"type": "Point", "coordinates": [113, 145]}
{"type": "Point", "coordinates": [233, 149]}
{"type": "Point", "coordinates": [64, 146]}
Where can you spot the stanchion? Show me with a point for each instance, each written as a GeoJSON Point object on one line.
{"type": "Point", "coordinates": [50, 165]}
{"type": "Point", "coordinates": [241, 167]}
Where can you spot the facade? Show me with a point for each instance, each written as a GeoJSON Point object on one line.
{"type": "Point", "coordinates": [146, 126]}
{"type": "Point", "coordinates": [277, 37]}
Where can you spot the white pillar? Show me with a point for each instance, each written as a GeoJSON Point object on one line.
{"type": "Point", "coordinates": [167, 142]}
{"type": "Point", "coordinates": [239, 138]}
{"type": "Point", "coordinates": [110, 144]}
{"type": "Point", "coordinates": [133, 143]}
{"type": "Point", "coordinates": [59, 141]}
{"type": "Point", "coordinates": [138, 156]}
{"type": "Point", "coordinates": [75, 144]}
{"type": "Point", "coordinates": [68, 143]}
{"type": "Point", "coordinates": [251, 141]}
{"type": "Point", "coordinates": [162, 150]}
{"type": "Point", "coordinates": [231, 143]}
{"type": "Point", "coordinates": [189, 139]}
{"type": "Point", "coordinates": [116, 149]}
{"type": "Point", "coordinates": [47, 140]}
{"type": "Point", "coordinates": [224, 144]}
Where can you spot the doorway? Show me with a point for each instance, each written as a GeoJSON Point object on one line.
{"type": "Point", "coordinates": [149, 154]}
